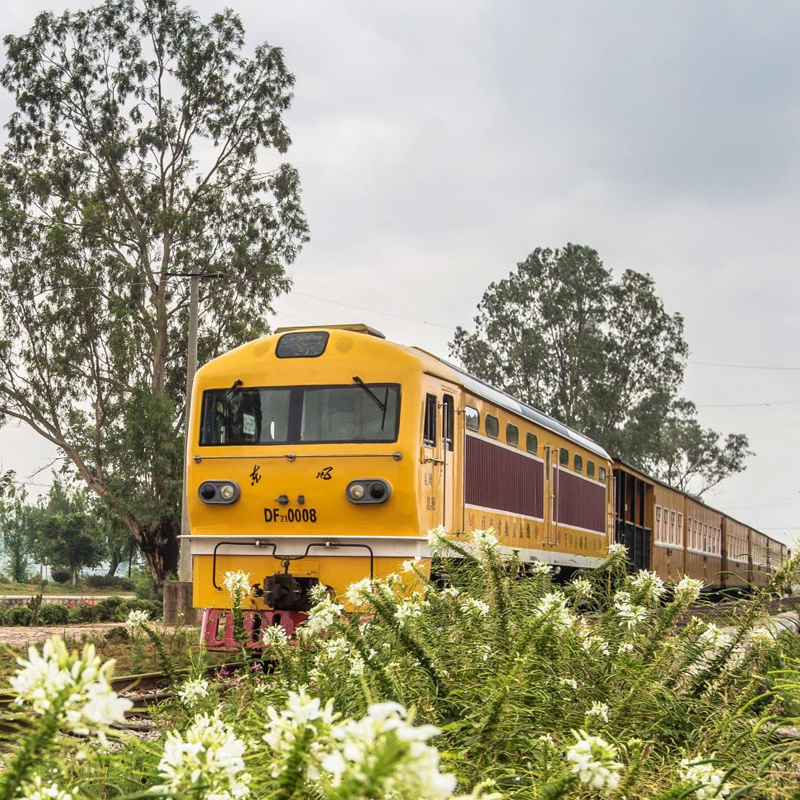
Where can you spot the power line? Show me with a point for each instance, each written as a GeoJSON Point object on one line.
{"type": "Point", "coordinates": [752, 405]}
{"type": "Point", "coordinates": [743, 366]}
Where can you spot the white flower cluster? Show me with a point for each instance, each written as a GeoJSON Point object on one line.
{"type": "Point", "coordinates": [36, 790]}
{"type": "Point", "coordinates": [192, 692]}
{"type": "Point", "coordinates": [708, 781]}
{"type": "Point", "coordinates": [485, 540]}
{"type": "Point", "coordinates": [599, 710]}
{"type": "Point", "coordinates": [648, 586]}
{"type": "Point", "coordinates": [687, 590]}
{"type": "Point", "coordinates": [451, 591]}
{"type": "Point", "coordinates": [581, 589]}
{"type": "Point", "coordinates": [274, 636]}
{"type": "Point", "coordinates": [209, 757]}
{"type": "Point", "coordinates": [475, 607]}
{"type": "Point", "coordinates": [322, 616]}
{"type": "Point", "coordinates": [630, 615]}
{"type": "Point", "coordinates": [541, 569]}
{"type": "Point", "coordinates": [617, 550]}
{"type": "Point", "coordinates": [136, 621]}
{"type": "Point", "coordinates": [78, 684]}
{"type": "Point", "coordinates": [237, 584]}
{"type": "Point", "coordinates": [553, 608]}
{"type": "Point", "coordinates": [358, 592]}
{"type": "Point", "coordinates": [592, 759]}
{"type": "Point", "coordinates": [713, 639]}
{"type": "Point", "coordinates": [437, 540]}
{"type": "Point", "coordinates": [412, 565]}
{"type": "Point", "coordinates": [406, 610]}
{"type": "Point", "coordinates": [761, 636]}
{"type": "Point", "coordinates": [362, 745]}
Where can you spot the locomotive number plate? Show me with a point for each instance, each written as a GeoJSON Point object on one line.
{"type": "Point", "coordinates": [290, 515]}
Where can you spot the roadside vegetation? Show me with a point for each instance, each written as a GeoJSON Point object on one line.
{"type": "Point", "coordinates": [483, 685]}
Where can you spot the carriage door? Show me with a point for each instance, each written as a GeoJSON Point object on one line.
{"type": "Point", "coordinates": [439, 452]}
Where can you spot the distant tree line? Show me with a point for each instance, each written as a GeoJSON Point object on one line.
{"type": "Point", "coordinates": [67, 528]}
{"type": "Point", "coordinates": [603, 356]}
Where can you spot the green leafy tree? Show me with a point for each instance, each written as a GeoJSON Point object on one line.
{"type": "Point", "coordinates": [65, 531]}
{"type": "Point", "coordinates": [14, 520]}
{"type": "Point", "coordinates": [141, 149]}
{"type": "Point", "coordinates": [604, 357]}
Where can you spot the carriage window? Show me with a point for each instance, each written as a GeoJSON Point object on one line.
{"type": "Point", "coordinates": [512, 434]}
{"type": "Point", "coordinates": [298, 414]}
{"type": "Point", "coordinates": [577, 463]}
{"type": "Point", "coordinates": [429, 428]}
{"type": "Point", "coordinates": [679, 539]}
{"type": "Point", "coordinates": [472, 418]}
{"type": "Point", "coordinates": [563, 457]}
{"type": "Point", "coordinates": [601, 474]}
{"type": "Point", "coordinates": [531, 443]}
{"type": "Point", "coordinates": [492, 426]}
{"type": "Point", "coordinates": [448, 418]}
{"type": "Point", "coordinates": [590, 469]}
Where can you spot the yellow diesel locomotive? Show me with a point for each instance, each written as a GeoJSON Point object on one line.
{"type": "Point", "coordinates": [325, 454]}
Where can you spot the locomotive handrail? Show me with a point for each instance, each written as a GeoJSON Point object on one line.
{"type": "Point", "coordinates": [256, 543]}
{"type": "Point", "coordinates": [397, 456]}
{"type": "Point", "coordinates": [274, 546]}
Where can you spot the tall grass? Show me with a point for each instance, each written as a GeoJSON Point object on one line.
{"type": "Point", "coordinates": [497, 680]}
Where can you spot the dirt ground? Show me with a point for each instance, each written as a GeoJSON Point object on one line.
{"type": "Point", "coordinates": [20, 637]}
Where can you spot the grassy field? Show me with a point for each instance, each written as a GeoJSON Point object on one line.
{"type": "Point", "coordinates": [53, 588]}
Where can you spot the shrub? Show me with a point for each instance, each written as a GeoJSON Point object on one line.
{"type": "Point", "coordinates": [53, 614]}
{"type": "Point", "coordinates": [61, 575]}
{"type": "Point", "coordinates": [75, 615]}
{"type": "Point", "coordinates": [3, 615]}
{"type": "Point", "coordinates": [19, 615]}
{"type": "Point", "coordinates": [143, 585]}
{"type": "Point", "coordinates": [153, 608]}
{"type": "Point", "coordinates": [89, 613]}
{"type": "Point", "coordinates": [108, 609]}
{"type": "Point", "coordinates": [110, 582]}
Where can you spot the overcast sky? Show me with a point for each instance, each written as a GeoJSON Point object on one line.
{"type": "Point", "coordinates": [439, 143]}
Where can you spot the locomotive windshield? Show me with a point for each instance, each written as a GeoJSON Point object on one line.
{"type": "Point", "coordinates": [301, 415]}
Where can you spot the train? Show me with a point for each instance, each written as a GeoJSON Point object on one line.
{"type": "Point", "coordinates": [325, 454]}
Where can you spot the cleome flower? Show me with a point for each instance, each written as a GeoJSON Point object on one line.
{"type": "Point", "coordinates": [598, 710]}
{"type": "Point", "coordinates": [485, 540]}
{"type": "Point", "coordinates": [708, 782]}
{"type": "Point", "coordinates": [476, 607]}
{"type": "Point", "coordinates": [192, 692]}
{"type": "Point", "coordinates": [648, 586]}
{"type": "Point", "coordinates": [592, 759]}
{"type": "Point", "coordinates": [322, 616]}
{"type": "Point", "coordinates": [553, 608]}
{"type": "Point", "coordinates": [412, 565]}
{"type": "Point", "coordinates": [358, 592]}
{"type": "Point", "coordinates": [36, 790]}
{"type": "Point", "coordinates": [274, 636]}
{"type": "Point", "coordinates": [616, 550]}
{"type": "Point", "coordinates": [630, 615]}
{"type": "Point", "coordinates": [580, 589]}
{"type": "Point", "coordinates": [406, 610]}
{"type": "Point", "coordinates": [136, 621]}
{"type": "Point", "coordinates": [385, 747]}
{"type": "Point", "coordinates": [437, 540]}
{"type": "Point", "coordinates": [208, 756]}
{"type": "Point", "coordinates": [687, 590]}
{"type": "Point", "coordinates": [76, 687]}
{"type": "Point", "coordinates": [541, 569]}
{"type": "Point", "coordinates": [237, 584]}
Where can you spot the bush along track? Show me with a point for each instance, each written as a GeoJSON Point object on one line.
{"type": "Point", "coordinates": [499, 684]}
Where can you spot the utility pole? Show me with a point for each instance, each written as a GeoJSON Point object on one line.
{"type": "Point", "coordinates": [185, 559]}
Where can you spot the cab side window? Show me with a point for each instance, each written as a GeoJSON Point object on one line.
{"type": "Point", "coordinates": [448, 420]}
{"type": "Point", "coordinates": [472, 418]}
{"type": "Point", "coordinates": [429, 427]}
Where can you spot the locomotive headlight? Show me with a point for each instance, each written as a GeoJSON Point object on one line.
{"type": "Point", "coordinates": [356, 491]}
{"type": "Point", "coordinates": [368, 491]}
{"type": "Point", "coordinates": [219, 492]}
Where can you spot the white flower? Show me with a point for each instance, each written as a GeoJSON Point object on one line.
{"type": "Point", "coordinates": [274, 636]}
{"type": "Point", "coordinates": [581, 589]}
{"type": "Point", "coordinates": [36, 790]}
{"type": "Point", "coordinates": [79, 684]}
{"type": "Point", "coordinates": [688, 590]}
{"type": "Point", "coordinates": [630, 615]}
{"type": "Point", "coordinates": [648, 586]}
{"type": "Point", "coordinates": [238, 585]}
{"type": "Point", "coordinates": [207, 755]}
{"type": "Point", "coordinates": [319, 592]}
{"type": "Point", "coordinates": [592, 759]}
{"type": "Point", "coordinates": [192, 692]}
{"type": "Point", "coordinates": [707, 780]}
{"type": "Point", "coordinates": [761, 636]}
{"type": "Point", "coordinates": [357, 666]}
{"type": "Point", "coordinates": [412, 565]}
{"type": "Point", "coordinates": [437, 540]}
{"type": "Point", "coordinates": [485, 540]}
{"type": "Point", "coordinates": [617, 549]}
{"type": "Point", "coordinates": [137, 620]}
{"type": "Point", "coordinates": [626, 647]}
{"type": "Point", "coordinates": [451, 591]}
{"type": "Point", "coordinates": [357, 592]}
{"type": "Point", "coordinates": [473, 606]}
{"type": "Point", "coordinates": [322, 616]}
{"type": "Point", "coordinates": [406, 610]}
{"type": "Point", "coordinates": [599, 710]}
{"type": "Point", "coordinates": [713, 638]}
{"type": "Point", "coordinates": [553, 608]}
{"type": "Point", "coordinates": [541, 568]}
{"type": "Point", "coordinates": [361, 745]}
{"type": "Point", "coordinates": [571, 682]}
